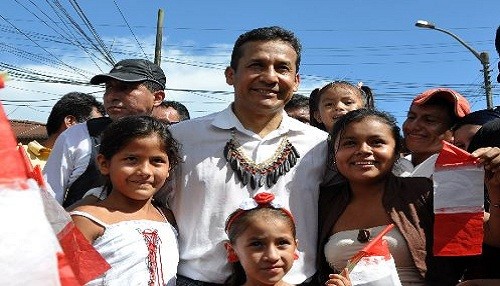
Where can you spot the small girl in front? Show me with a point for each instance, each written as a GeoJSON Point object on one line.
{"type": "Point", "coordinates": [262, 243]}
{"type": "Point", "coordinates": [127, 228]}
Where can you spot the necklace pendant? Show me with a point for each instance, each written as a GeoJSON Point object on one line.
{"type": "Point", "coordinates": [295, 152]}
{"type": "Point", "coordinates": [262, 180]}
{"type": "Point", "coordinates": [281, 170]}
{"type": "Point", "coordinates": [253, 181]}
{"type": "Point", "coordinates": [260, 174]}
{"type": "Point", "coordinates": [245, 177]}
{"type": "Point", "coordinates": [270, 179]}
{"type": "Point", "coordinates": [292, 159]}
{"type": "Point", "coordinates": [286, 165]}
{"type": "Point", "coordinates": [226, 151]}
{"type": "Point", "coordinates": [235, 164]}
{"type": "Point", "coordinates": [275, 176]}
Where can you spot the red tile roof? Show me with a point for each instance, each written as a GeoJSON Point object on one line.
{"type": "Point", "coordinates": [27, 131]}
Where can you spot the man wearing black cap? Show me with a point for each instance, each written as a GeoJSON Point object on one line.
{"type": "Point", "coordinates": [133, 87]}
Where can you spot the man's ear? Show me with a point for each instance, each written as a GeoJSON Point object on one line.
{"type": "Point", "coordinates": [229, 73]}
{"type": "Point", "coordinates": [69, 120]}
{"type": "Point", "coordinates": [102, 164]}
{"type": "Point", "coordinates": [159, 96]}
{"type": "Point", "coordinates": [297, 82]}
{"type": "Point", "coordinates": [448, 136]}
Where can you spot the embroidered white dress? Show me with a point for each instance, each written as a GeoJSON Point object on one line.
{"type": "Point", "coordinates": [140, 252]}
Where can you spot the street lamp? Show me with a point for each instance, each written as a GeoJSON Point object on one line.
{"type": "Point", "coordinates": [483, 57]}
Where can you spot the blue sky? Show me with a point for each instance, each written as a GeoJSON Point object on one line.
{"type": "Point", "coordinates": [373, 41]}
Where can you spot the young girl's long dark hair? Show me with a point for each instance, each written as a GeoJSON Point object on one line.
{"type": "Point", "coordinates": [122, 131]}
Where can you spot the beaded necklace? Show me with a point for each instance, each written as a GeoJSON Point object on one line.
{"type": "Point", "coordinates": [257, 174]}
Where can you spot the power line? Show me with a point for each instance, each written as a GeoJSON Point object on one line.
{"type": "Point", "coordinates": [130, 29]}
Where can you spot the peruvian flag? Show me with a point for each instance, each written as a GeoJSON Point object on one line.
{"type": "Point", "coordinates": [458, 203]}
{"type": "Point", "coordinates": [40, 244]}
{"type": "Point", "coordinates": [374, 265]}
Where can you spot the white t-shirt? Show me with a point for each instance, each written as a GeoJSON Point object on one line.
{"type": "Point", "coordinates": [207, 190]}
{"type": "Point", "coordinates": [69, 159]}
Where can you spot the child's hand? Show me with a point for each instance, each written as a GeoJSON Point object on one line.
{"type": "Point", "coordinates": [341, 279]}
{"type": "Point", "coordinates": [489, 157]}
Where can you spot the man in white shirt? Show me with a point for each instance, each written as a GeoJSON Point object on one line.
{"type": "Point", "coordinates": [133, 87]}
{"type": "Point", "coordinates": [250, 147]}
{"type": "Point", "coordinates": [72, 108]}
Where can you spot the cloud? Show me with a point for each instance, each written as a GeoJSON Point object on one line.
{"type": "Point", "coordinates": [26, 100]}
{"type": "Point", "coordinates": [196, 80]}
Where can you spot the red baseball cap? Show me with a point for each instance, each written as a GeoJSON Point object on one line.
{"type": "Point", "coordinates": [461, 104]}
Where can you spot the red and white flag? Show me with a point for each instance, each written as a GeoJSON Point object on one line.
{"type": "Point", "coordinates": [458, 203]}
{"type": "Point", "coordinates": [40, 244]}
{"type": "Point", "coordinates": [374, 265]}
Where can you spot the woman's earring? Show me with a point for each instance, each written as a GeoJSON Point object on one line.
{"type": "Point", "coordinates": [232, 257]}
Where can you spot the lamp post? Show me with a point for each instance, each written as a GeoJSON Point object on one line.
{"type": "Point", "coordinates": [483, 57]}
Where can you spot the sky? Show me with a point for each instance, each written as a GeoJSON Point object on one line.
{"type": "Point", "coordinates": [375, 42]}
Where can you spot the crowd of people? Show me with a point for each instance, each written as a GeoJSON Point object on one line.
{"type": "Point", "coordinates": [276, 189]}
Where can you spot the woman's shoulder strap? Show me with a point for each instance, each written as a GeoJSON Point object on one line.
{"type": "Point", "coordinates": [90, 217]}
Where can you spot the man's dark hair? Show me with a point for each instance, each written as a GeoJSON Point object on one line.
{"type": "Point", "coordinates": [181, 108]}
{"type": "Point", "coordinates": [77, 104]}
{"type": "Point", "coordinates": [297, 101]}
{"type": "Point", "coordinates": [273, 33]}
{"type": "Point", "coordinates": [152, 86]}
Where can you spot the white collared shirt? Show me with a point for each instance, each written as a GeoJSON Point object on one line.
{"type": "Point", "coordinates": [207, 190]}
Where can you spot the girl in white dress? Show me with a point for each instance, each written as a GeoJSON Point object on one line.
{"type": "Point", "coordinates": [135, 237]}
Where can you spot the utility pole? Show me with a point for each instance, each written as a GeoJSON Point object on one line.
{"type": "Point", "coordinates": [482, 57]}
{"type": "Point", "coordinates": [159, 33]}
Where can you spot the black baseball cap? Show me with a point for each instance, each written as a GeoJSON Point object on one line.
{"type": "Point", "coordinates": [133, 70]}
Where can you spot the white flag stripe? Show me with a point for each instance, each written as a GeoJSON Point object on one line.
{"type": "Point", "coordinates": [29, 245]}
{"type": "Point", "coordinates": [457, 189]}
{"type": "Point", "coordinates": [375, 271]}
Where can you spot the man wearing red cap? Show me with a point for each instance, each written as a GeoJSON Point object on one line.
{"type": "Point", "coordinates": [430, 120]}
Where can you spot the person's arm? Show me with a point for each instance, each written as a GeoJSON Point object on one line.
{"type": "Point", "coordinates": [490, 158]}
{"type": "Point", "coordinates": [57, 168]}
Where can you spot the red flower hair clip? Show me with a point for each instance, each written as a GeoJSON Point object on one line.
{"type": "Point", "coordinates": [263, 198]}
{"type": "Point", "coordinates": [260, 200]}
